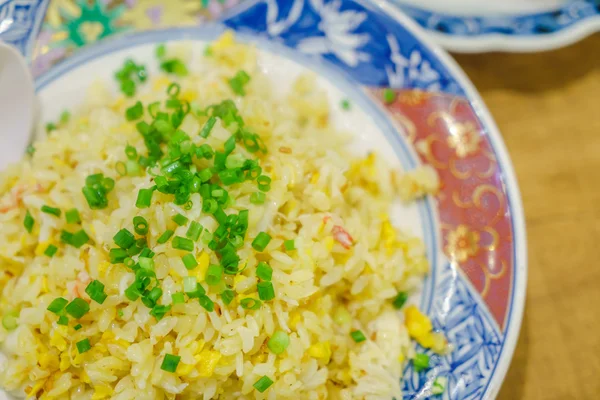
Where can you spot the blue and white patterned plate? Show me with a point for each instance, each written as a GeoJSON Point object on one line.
{"type": "Point", "coordinates": [473, 229]}
{"type": "Point", "coordinates": [522, 26]}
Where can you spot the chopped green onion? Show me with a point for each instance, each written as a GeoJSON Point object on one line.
{"type": "Point", "coordinates": [95, 289]}
{"type": "Point", "coordinates": [214, 274]}
{"type": "Point", "coordinates": [77, 327]}
{"type": "Point", "coordinates": [345, 104]}
{"type": "Point", "coordinates": [261, 241]}
{"type": "Point", "coordinates": [124, 239]}
{"type": "Point", "coordinates": [180, 219]}
{"type": "Point", "coordinates": [50, 127]}
{"type": "Point", "coordinates": [57, 305]}
{"type": "Point", "coordinates": [206, 303]}
{"type": "Point", "coordinates": [174, 66]}
{"type": "Point", "coordinates": [152, 297]}
{"type": "Point", "coordinates": [227, 296]}
{"type": "Point", "coordinates": [121, 168]}
{"type": "Point", "coordinates": [181, 243]}
{"type": "Point", "coordinates": [28, 222]}
{"type": "Point", "coordinates": [159, 311]}
{"type": "Point", "coordinates": [51, 250]}
{"type": "Point", "coordinates": [210, 206]}
{"type": "Point", "coordinates": [439, 385]}
{"type": "Point", "coordinates": [9, 321]}
{"type": "Point", "coordinates": [250, 304]}
{"type": "Point", "coordinates": [134, 112]}
{"type": "Point", "coordinates": [63, 320]}
{"type": "Point", "coordinates": [51, 210]}
{"type": "Point", "coordinates": [173, 90]}
{"type": "Point", "coordinates": [131, 152]}
{"type": "Point", "coordinates": [77, 308]}
{"type": "Point", "coordinates": [194, 231]}
{"type": "Point", "coordinates": [30, 150]}
{"type": "Point", "coordinates": [399, 300]}
{"type": "Point", "coordinates": [117, 255]}
{"type": "Point", "coordinates": [289, 245]}
{"type": "Point", "coordinates": [257, 198]}
{"type": "Point", "coordinates": [263, 384]}
{"type": "Point", "coordinates": [66, 237]}
{"type": "Point", "coordinates": [278, 342]}
{"type": "Point", "coordinates": [164, 238]}
{"type": "Point", "coordinates": [178, 298]}
{"type": "Point", "coordinates": [79, 238]}
{"type": "Point", "coordinates": [83, 346]}
{"type": "Point", "coordinates": [144, 198]}
{"type": "Point", "coordinates": [128, 87]}
{"type": "Point", "coordinates": [264, 271]}
{"type": "Point", "coordinates": [140, 225]}
{"type": "Point", "coordinates": [264, 183]}
{"type": "Point", "coordinates": [421, 362]}
{"type": "Point", "coordinates": [266, 292]}
{"type": "Point", "coordinates": [170, 363]}
{"type": "Point", "coordinates": [358, 336]}
{"type": "Point", "coordinates": [208, 127]}
{"type": "Point", "coordinates": [238, 82]}
{"type": "Point", "coordinates": [146, 263]}
{"type": "Point", "coordinates": [73, 216]}
{"type": "Point", "coordinates": [189, 261]}
{"type": "Point", "coordinates": [388, 96]}
{"type": "Point", "coordinates": [161, 50]}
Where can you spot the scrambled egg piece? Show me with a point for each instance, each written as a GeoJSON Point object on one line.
{"type": "Point", "coordinates": [420, 328]}
{"type": "Point", "coordinates": [207, 362]}
{"type": "Point", "coordinates": [321, 351]}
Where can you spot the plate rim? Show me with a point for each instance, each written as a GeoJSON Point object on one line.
{"type": "Point", "coordinates": [517, 300]}
{"type": "Point", "coordinates": [518, 43]}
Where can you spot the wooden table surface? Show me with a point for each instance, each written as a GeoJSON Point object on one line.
{"type": "Point", "coordinates": [547, 106]}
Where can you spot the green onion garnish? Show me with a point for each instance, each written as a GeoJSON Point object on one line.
{"type": "Point", "coordinates": [51, 250]}
{"type": "Point", "coordinates": [264, 271]}
{"type": "Point", "coordinates": [30, 150]}
{"type": "Point", "coordinates": [173, 90]}
{"type": "Point", "coordinates": [194, 231]}
{"type": "Point", "coordinates": [117, 256]}
{"type": "Point", "coordinates": [421, 362]}
{"type": "Point", "coordinates": [9, 321]}
{"type": "Point", "coordinates": [174, 66]}
{"type": "Point", "coordinates": [358, 336]}
{"type": "Point", "coordinates": [189, 284]}
{"type": "Point", "coordinates": [28, 222]}
{"type": "Point", "coordinates": [164, 238]}
{"type": "Point", "coordinates": [250, 304]}
{"type": "Point", "coordinates": [238, 82]}
{"type": "Point", "coordinates": [439, 385]}
{"type": "Point", "coordinates": [57, 305]}
{"type": "Point", "coordinates": [159, 311]}
{"type": "Point", "coordinates": [95, 289]}
{"type": "Point", "coordinates": [227, 296]}
{"type": "Point", "coordinates": [257, 198]}
{"type": "Point", "coordinates": [181, 243]}
{"type": "Point", "coordinates": [189, 261]}
{"type": "Point", "coordinates": [73, 216]}
{"type": "Point", "coordinates": [399, 300]}
{"type": "Point", "coordinates": [134, 112]}
{"type": "Point", "coordinates": [79, 238]}
{"type": "Point", "coordinates": [51, 210]}
{"type": "Point", "coordinates": [208, 127]}
{"type": "Point", "coordinates": [206, 303]}
{"type": "Point", "coordinates": [66, 237]}
{"type": "Point", "coordinates": [178, 298]}
{"type": "Point", "coordinates": [83, 346]}
{"type": "Point", "coordinates": [140, 225]}
{"type": "Point", "coordinates": [170, 363]}
{"type": "Point", "coordinates": [77, 308]}
{"type": "Point", "coordinates": [77, 327]}
{"type": "Point", "coordinates": [278, 342]}
{"type": "Point", "coordinates": [144, 198]}
{"type": "Point", "coordinates": [388, 96]}
{"type": "Point", "coordinates": [289, 245]}
{"type": "Point", "coordinates": [264, 183]}
{"type": "Point", "coordinates": [214, 274]}
{"type": "Point", "coordinates": [146, 263]}
{"type": "Point", "coordinates": [263, 384]}
{"type": "Point", "coordinates": [63, 320]}
{"type": "Point", "coordinates": [345, 104]}
{"type": "Point", "coordinates": [124, 239]}
{"type": "Point", "coordinates": [131, 152]}
{"type": "Point", "coordinates": [266, 291]}
{"type": "Point", "coordinates": [261, 241]}
{"type": "Point", "coordinates": [180, 219]}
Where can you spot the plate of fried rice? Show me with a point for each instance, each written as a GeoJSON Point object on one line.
{"type": "Point", "coordinates": [297, 201]}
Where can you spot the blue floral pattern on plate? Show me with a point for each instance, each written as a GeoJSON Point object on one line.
{"type": "Point", "coordinates": [20, 22]}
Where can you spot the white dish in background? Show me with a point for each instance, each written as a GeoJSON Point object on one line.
{"type": "Point", "coordinates": [472, 26]}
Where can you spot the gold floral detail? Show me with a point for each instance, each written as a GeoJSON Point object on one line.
{"type": "Point", "coordinates": [414, 97]}
{"type": "Point", "coordinates": [172, 13]}
{"type": "Point", "coordinates": [464, 138]}
{"type": "Point", "coordinates": [462, 243]}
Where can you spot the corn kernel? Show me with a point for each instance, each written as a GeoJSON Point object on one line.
{"type": "Point", "coordinates": [200, 270]}
{"type": "Point", "coordinates": [321, 350]}
{"type": "Point", "coordinates": [418, 324]}
{"type": "Point", "coordinates": [184, 369]}
{"type": "Point", "coordinates": [329, 243]}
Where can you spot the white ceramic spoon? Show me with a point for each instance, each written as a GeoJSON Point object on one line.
{"type": "Point", "coordinates": [17, 105]}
